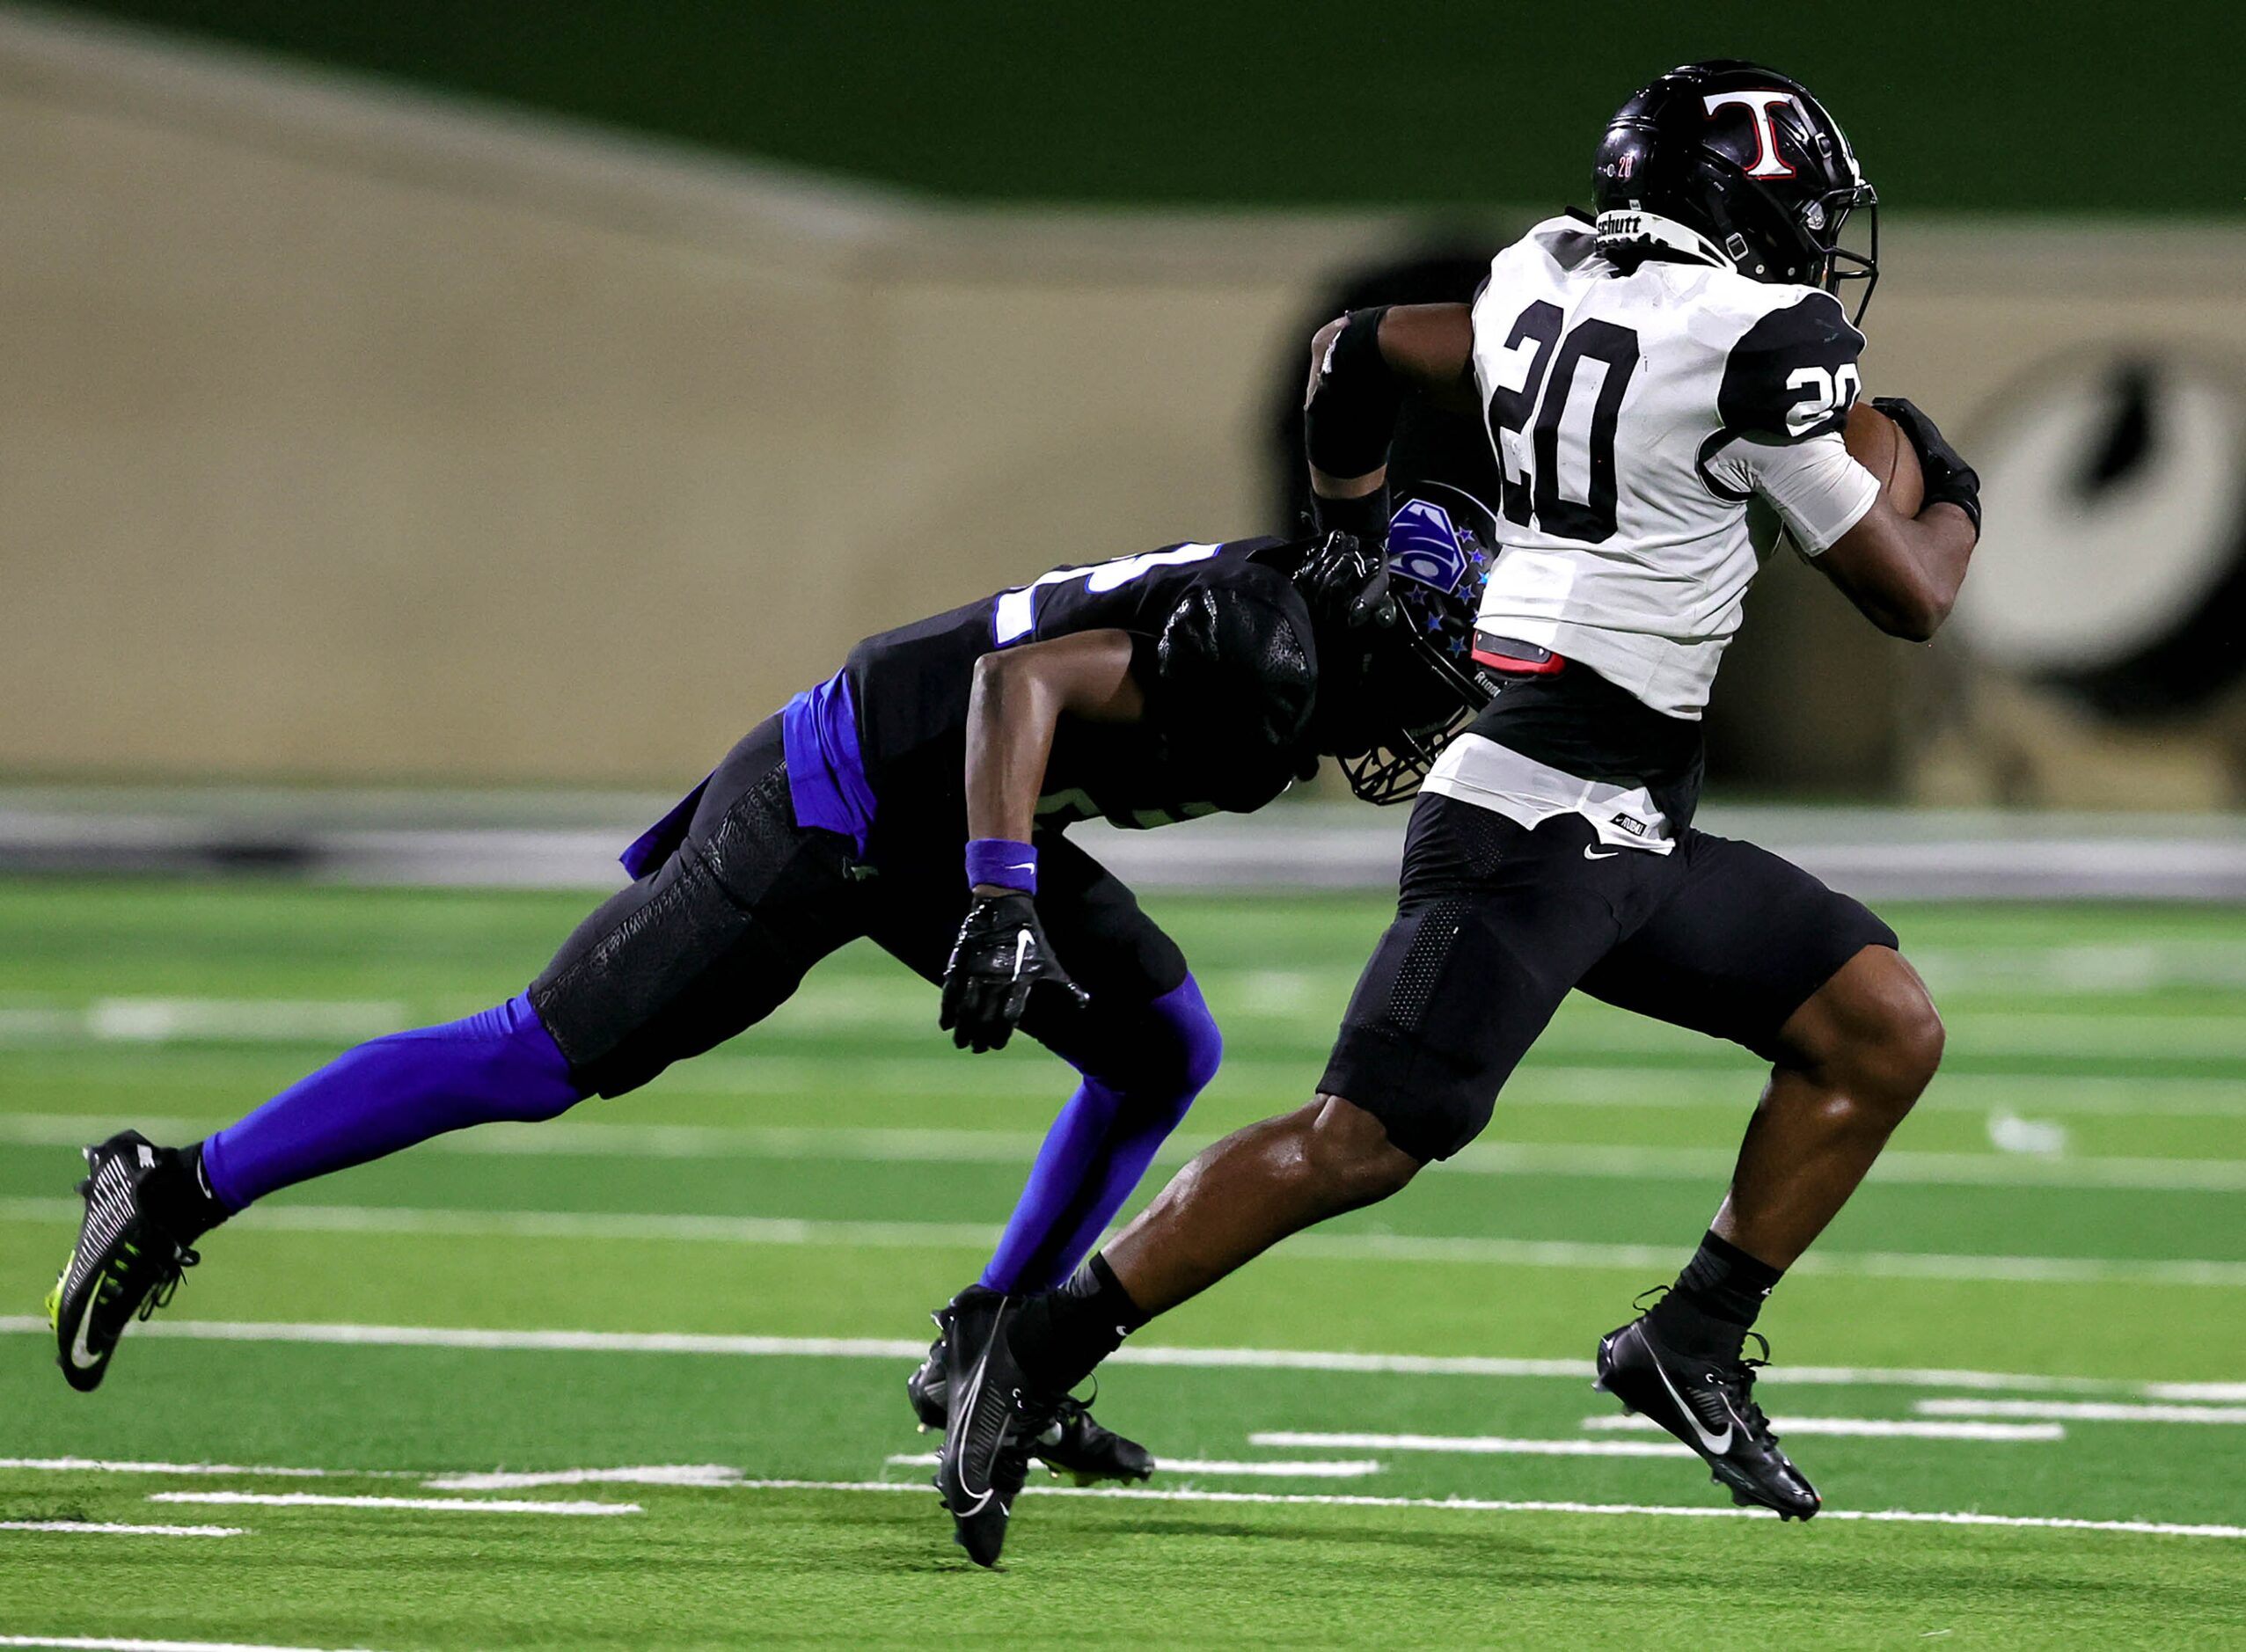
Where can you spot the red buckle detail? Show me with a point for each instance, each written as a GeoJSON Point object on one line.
{"type": "Point", "coordinates": [1516, 658]}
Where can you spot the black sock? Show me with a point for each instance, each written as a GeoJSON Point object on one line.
{"type": "Point", "coordinates": [1715, 1299]}
{"type": "Point", "coordinates": [1060, 1336]}
{"type": "Point", "coordinates": [178, 1195]}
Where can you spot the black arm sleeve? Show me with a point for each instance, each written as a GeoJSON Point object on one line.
{"type": "Point", "coordinates": [1354, 400]}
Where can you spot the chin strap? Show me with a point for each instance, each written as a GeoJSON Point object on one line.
{"type": "Point", "coordinates": [1622, 227]}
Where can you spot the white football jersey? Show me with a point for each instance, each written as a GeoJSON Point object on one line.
{"type": "Point", "coordinates": [1635, 417]}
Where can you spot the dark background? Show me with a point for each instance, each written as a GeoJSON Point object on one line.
{"type": "Point", "coordinates": [2065, 106]}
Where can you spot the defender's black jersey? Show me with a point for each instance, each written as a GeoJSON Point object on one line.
{"type": "Point", "coordinates": [911, 688]}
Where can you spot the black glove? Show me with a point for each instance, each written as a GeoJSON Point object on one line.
{"type": "Point", "coordinates": [1950, 479]}
{"type": "Point", "coordinates": [1345, 577]}
{"type": "Point", "coordinates": [1001, 953]}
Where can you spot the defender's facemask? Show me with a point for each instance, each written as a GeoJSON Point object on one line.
{"type": "Point", "coordinates": [1397, 680]}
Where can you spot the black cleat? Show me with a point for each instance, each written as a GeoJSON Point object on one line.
{"type": "Point", "coordinates": [929, 1387]}
{"type": "Point", "coordinates": [996, 1417]}
{"type": "Point", "coordinates": [124, 1266]}
{"type": "Point", "coordinates": [1074, 1443]}
{"type": "Point", "coordinates": [1710, 1405]}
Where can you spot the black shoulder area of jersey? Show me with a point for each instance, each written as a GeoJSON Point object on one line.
{"type": "Point", "coordinates": [1792, 374]}
{"type": "Point", "coordinates": [1133, 593]}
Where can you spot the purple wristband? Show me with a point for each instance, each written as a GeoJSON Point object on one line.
{"type": "Point", "coordinates": [1002, 861]}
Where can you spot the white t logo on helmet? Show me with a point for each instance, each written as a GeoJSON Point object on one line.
{"type": "Point", "coordinates": [1759, 106]}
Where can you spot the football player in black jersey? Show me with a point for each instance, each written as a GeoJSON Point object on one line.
{"type": "Point", "coordinates": [1195, 678]}
{"type": "Point", "coordinates": [1644, 379]}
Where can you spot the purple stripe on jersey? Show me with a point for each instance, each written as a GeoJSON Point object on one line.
{"type": "Point", "coordinates": [826, 775]}
{"type": "Point", "coordinates": [656, 845]}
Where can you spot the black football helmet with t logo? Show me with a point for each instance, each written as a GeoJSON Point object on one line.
{"type": "Point", "coordinates": [1727, 162]}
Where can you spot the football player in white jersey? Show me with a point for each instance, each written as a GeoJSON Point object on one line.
{"type": "Point", "coordinates": [1650, 380]}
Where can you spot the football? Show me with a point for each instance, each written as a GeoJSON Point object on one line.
{"type": "Point", "coordinates": [1878, 442]}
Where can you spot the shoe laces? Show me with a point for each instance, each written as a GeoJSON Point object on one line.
{"type": "Point", "coordinates": [1072, 1415]}
{"type": "Point", "coordinates": [1741, 1373]}
{"type": "Point", "coordinates": [165, 1283]}
{"type": "Point", "coordinates": [1749, 1412]}
{"type": "Point", "coordinates": [167, 1286]}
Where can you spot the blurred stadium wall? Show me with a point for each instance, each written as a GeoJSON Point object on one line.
{"type": "Point", "coordinates": [356, 432]}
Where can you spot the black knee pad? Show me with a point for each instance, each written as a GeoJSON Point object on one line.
{"type": "Point", "coordinates": [663, 971]}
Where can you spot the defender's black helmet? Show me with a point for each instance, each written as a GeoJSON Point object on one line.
{"type": "Point", "coordinates": [1397, 680]}
{"type": "Point", "coordinates": [1727, 162]}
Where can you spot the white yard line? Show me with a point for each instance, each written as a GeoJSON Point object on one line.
{"type": "Point", "coordinates": [1894, 1168]}
{"type": "Point", "coordinates": [701, 1475]}
{"type": "Point", "coordinates": [76, 1130]}
{"type": "Point", "coordinates": [230, 1020]}
{"type": "Point", "coordinates": [110, 1528]}
{"type": "Point", "coordinates": [1542, 1084]}
{"type": "Point", "coordinates": [2213, 1393]}
{"type": "Point", "coordinates": [611, 1227]}
{"type": "Point", "coordinates": [1478, 1505]}
{"type": "Point", "coordinates": [446, 1505]}
{"type": "Point", "coordinates": [577, 1225]}
{"type": "Point", "coordinates": [1466, 1444]}
{"type": "Point", "coordinates": [106, 1465]}
{"type": "Point", "coordinates": [1861, 1428]}
{"type": "Point", "coordinates": [1562, 1254]}
{"type": "Point", "coordinates": [1199, 1358]}
{"type": "Point", "coordinates": [2097, 1094]}
{"type": "Point", "coordinates": [2079, 1411]}
{"type": "Point", "coordinates": [565, 1138]}
{"type": "Point", "coordinates": [114, 1643]}
{"type": "Point", "coordinates": [1320, 1468]}
{"type": "Point", "coordinates": [705, 1476]}
{"type": "Point", "coordinates": [857, 1004]}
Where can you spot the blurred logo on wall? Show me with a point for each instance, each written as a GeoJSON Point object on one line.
{"type": "Point", "coordinates": [2113, 562]}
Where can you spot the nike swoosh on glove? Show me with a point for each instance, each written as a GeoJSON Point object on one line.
{"type": "Point", "coordinates": [1001, 954]}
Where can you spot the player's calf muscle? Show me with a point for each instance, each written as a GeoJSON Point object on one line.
{"type": "Point", "coordinates": [1244, 1195]}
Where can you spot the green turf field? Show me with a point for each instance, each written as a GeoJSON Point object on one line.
{"type": "Point", "coordinates": [719, 1283]}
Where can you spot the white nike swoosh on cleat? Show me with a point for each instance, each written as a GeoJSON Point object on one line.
{"type": "Point", "coordinates": [1715, 1445]}
{"type": "Point", "coordinates": [81, 1357]}
{"type": "Point", "coordinates": [974, 1393]}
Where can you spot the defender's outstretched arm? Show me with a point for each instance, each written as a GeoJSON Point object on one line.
{"type": "Point", "coordinates": [1362, 365]}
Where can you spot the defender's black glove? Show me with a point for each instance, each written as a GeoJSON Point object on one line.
{"type": "Point", "coordinates": [1001, 953]}
{"type": "Point", "coordinates": [1950, 479]}
{"type": "Point", "coordinates": [1346, 578]}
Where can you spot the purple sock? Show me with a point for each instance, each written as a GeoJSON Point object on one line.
{"type": "Point", "coordinates": [1102, 1142]}
{"type": "Point", "coordinates": [391, 1094]}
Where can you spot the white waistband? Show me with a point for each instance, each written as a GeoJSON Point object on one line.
{"type": "Point", "coordinates": [1480, 772]}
